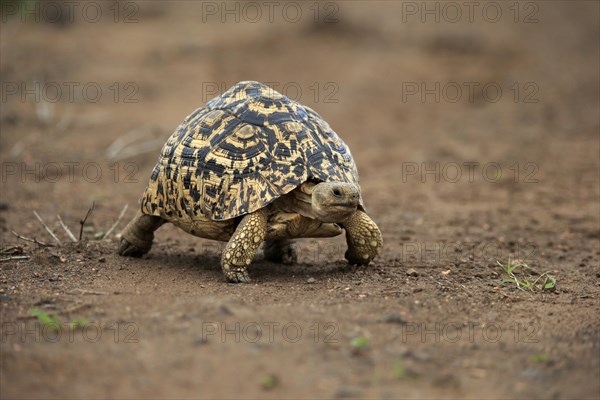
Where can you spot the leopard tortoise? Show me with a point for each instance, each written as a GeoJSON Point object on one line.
{"type": "Point", "coordinates": [254, 166]}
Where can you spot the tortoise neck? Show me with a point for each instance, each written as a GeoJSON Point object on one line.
{"type": "Point", "coordinates": [297, 201]}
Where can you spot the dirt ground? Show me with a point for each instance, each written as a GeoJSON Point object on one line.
{"type": "Point", "coordinates": [476, 136]}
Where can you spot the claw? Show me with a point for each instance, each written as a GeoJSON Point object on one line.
{"type": "Point", "coordinates": [239, 276]}
{"type": "Point", "coordinates": [289, 255]}
{"type": "Point", "coordinates": [127, 249]}
{"type": "Point", "coordinates": [354, 259]}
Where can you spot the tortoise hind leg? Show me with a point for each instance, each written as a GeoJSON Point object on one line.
{"type": "Point", "coordinates": [137, 237]}
{"type": "Point", "coordinates": [242, 246]}
{"type": "Point", "coordinates": [281, 251]}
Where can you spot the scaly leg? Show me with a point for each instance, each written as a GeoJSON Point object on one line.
{"type": "Point", "coordinates": [281, 251]}
{"type": "Point", "coordinates": [363, 237]}
{"type": "Point", "coordinates": [136, 238]}
{"type": "Point", "coordinates": [242, 246]}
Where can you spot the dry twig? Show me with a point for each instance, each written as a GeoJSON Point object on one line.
{"type": "Point", "coordinates": [92, 292]}
{"type": "Point", "coordinates": [142, 148]}
{"type": "Point", "coordinates": [12, 251]}
{"type": "Point", "coordinates": [82, 222]}
{"type": "Point", "coordinates": [66, 228]}
{"type": "Point", "coordinates": [65, 121]}
{"type": "Point", "coordinates": [112, 228]}
{"type": "Point", "coordinates": [123, 141]}
{"type": "Point", "coordinates": [47, 228]}
{"type": "Point", "coordinates": [32, 240]}
{"type": "Point", "coordinates": [14, 258]}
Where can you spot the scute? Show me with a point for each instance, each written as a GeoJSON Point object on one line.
{"type": "Point", "coordinates": [240, 152]}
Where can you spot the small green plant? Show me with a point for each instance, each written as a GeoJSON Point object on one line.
{"type": "Point", "coordinates": [269, 382]}
{"type": "Point", "coordinates": [520, 273]}
{"type": "Point", "coordinates": [539, 358]}
{"type": "Point", "coordinates": [549, 281]}
{"type": "Point", "coordinates": [79, 323]}
{"type": "Point", "coordinates": [499, 175]}
{"type": "Point", "coordinates": [511, 270]}
{"type": "Point", "coordinates": [51, 322]}
{"type": "Point", "coordinates": [359, 342]}
{"type": "Point", "coordinates": [400, 371]}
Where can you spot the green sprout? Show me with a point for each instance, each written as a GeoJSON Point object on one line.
{"type": "Point", "coordinates": [539, 358]}
{"type": "Point", "coordinates": [517, 271]}
{"type": "Point", "coordinates": [51, 322]}
{"type": "Point", "coordinates": [359, 342]}
{"type": "Point", "coordinates": [79, 323]}
{"type": "Point", "coordinates": [400, 371]}
{"type": "Point", "coordinates": [269, 382]}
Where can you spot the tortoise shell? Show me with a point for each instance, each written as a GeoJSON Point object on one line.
{"type": "Point", "coordinates": [240, 152]}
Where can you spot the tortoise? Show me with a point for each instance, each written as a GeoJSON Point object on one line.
{"type": "Point", "coordinates": [254, 166]}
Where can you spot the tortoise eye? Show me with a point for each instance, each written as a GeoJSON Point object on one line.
{"type": "Point", "coordinates": [337, 192]}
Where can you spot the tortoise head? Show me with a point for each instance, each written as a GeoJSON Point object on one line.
{"type": "Point", "coordinates": [334, 201]}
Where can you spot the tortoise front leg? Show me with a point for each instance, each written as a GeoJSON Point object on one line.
{"type": "Point", "coordinates": [137, 237]}
{"type": "Point", "coordinates": [242, 246]}
{"type": "Point", "coordinates": [363, 237]}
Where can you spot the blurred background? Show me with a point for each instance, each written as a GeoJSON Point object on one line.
{"type": "Point", "coordinates": [401, 82]}
{"type": "Point", "coordinates": [469, 121]}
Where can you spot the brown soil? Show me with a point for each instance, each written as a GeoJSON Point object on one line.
{"type": "Point", "coordinates": [430, 318]}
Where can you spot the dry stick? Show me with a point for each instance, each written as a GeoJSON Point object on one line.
{"type": "Point", "coordinates": [48, 229]}
{"type": "Point", "coordinates": [44, 109]}
{"type": "Point", "coordinates": [12, 250]}
{"type": "Point", "coordinates": [391, 292]}
{"type": "Point", "coordinates": [14, 258]}
{"type": "Point", "coordinates": [116, 222]}
{"type": "Point", "coordinates": [135, 150]}
{"type": "Point", "coordinates": [123, 141]}
{"type": "Point", "coordinates": [66, 228]}
{"type": "Point", "coordinates": [82, 222]}
{"type": "Point", "coordinates": [32, 240]}
{"type": "Point", "coordinates": [76, 308]}
{"type": "Point", "coordinates": [66, 120]}
{"type": "Point", "coordinates": [92, 292]}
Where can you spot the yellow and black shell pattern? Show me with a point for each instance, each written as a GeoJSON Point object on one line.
{"type": "Point", "coordinates": [240, 152]}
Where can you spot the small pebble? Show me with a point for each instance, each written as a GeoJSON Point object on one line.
{"type": "Point", "coordinates": [395, 319]}
{"type": "Point", "coordinates": [533, 374]}
{"type": "Point", "coordinates": [412, 272]}
{"type": "Point", "coordinates": [4, 298]}
{"type": "Point", "coordinates": [311, 280]}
